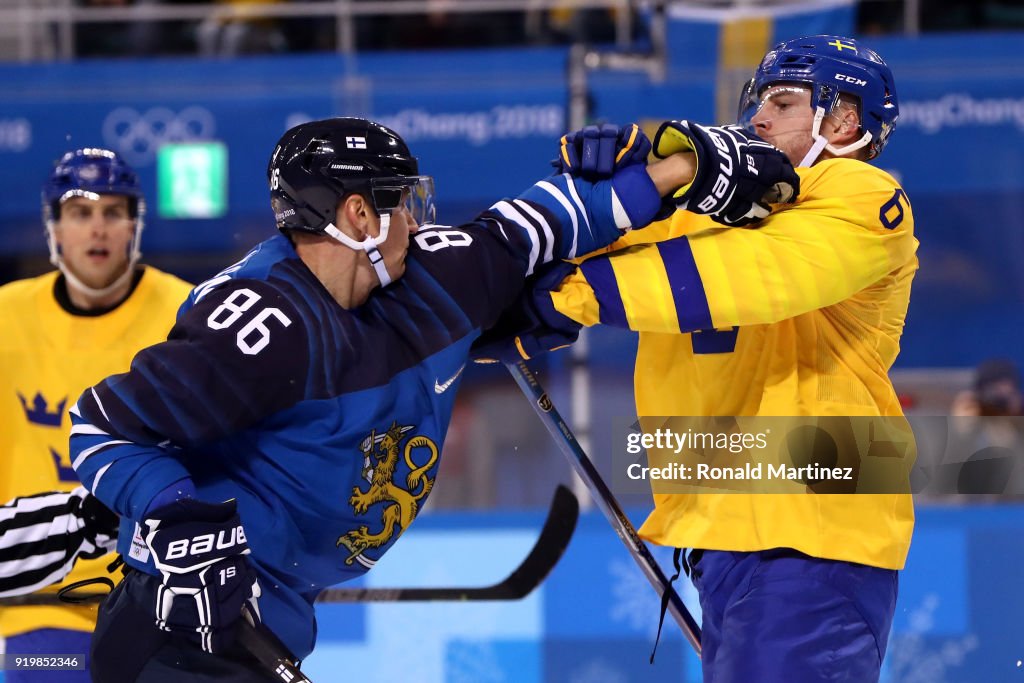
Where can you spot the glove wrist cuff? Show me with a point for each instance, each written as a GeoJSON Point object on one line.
{"type": "Point", "coordinates": [636, 194]}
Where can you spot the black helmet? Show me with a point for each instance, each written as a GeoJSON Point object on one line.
{"type": "Point", "coordinates": [318, 163]}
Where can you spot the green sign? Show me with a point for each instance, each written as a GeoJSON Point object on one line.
{"type": "Point", "coordinates": [192, 180]}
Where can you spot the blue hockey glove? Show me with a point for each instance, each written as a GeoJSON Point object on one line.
{"type": "Point", "coordinates": [531, 325]}
{"type": "Point", "coordinates": [598, 151]}
{"type": "Point", "coordinates": [200, 550]}
{"type": "Point", "coordinates": [738, 174]}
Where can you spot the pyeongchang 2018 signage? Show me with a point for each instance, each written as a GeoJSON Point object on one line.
{"type": "Point", "coordinates": [959, 110]}
{"type": "Point", "coordinates": [478, 127]}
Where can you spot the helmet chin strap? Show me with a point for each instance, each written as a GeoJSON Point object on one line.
{"type": "Point", "coordinates": [369, 245]}
{"type": "Point", "coordinates": [91, 292]}
{"type": "Point", "coordinates": [821, 143]}
{"type": "Point", "coordinates": [73, 280]}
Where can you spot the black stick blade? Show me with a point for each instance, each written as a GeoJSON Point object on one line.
{"type": "Point", "coordinates": [551, 544]}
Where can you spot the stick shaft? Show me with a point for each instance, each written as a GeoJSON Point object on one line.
{"type": "Point", "coordinates": [604, 499]}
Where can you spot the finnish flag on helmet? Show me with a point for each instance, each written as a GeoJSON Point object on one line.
{"type": "Point", "coordinates": [355, 142]}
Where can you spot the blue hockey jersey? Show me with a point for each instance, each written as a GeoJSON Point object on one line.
{"type": "Point", "coordinates": [326, 424]}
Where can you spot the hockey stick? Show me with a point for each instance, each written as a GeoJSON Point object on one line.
{"type": "Point", "coordinates": [262, 644]}
{"type": "Point", "coordinates": [604, 499]}
{"type": "Point", "coordinates": [552, 542]}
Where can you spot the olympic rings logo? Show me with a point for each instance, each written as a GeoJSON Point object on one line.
{"type": "Point", "coordinates": [138, 136]}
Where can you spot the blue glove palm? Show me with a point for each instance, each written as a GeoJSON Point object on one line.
{"type": "Point", "coordinates": [531, 325]}
{"type": "Point", "coordinates": [738, 173]}
{"type": "Point", "coordinates": [597, 152]}
{"type": "Point", "coordinates": [200, 550]}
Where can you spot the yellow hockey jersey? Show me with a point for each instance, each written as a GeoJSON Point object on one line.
{"type": "Point", "coordinates": [48, 357]}
{"type": "Point", "coordinates": [799, 317]}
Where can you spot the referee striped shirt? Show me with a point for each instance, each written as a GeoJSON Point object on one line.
{"type": "Point", "coordinates": [42, 536]}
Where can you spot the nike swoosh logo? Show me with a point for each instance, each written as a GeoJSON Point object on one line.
{"type": "Point", "coordinates": [440, 388]}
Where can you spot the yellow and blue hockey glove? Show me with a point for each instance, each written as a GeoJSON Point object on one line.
{"type": "Point", "coordinates": [739, 175]}
{"type": "Point", "coordinates": [597, 152]}
{"type": "Point", "coordinates": [531, 325]}
{"type": "Point", "coordinates": [200, 550]}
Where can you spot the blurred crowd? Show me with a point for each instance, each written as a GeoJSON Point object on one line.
{"type": "Point", "coordinates": [888, 16]}
{"type": "Point", "coordinates": [441, 27]}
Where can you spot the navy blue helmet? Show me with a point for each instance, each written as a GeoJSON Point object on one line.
{"type": "Point", "coordinates": [832, 66]}
{"type": "Point", "coordinates": [91, 171]}
{"type": "Point", "coordinates": [317, 164]}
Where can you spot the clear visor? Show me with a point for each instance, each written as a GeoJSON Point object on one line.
{"type": "Point", "coordinates": [414, 194]}
{"type": "Point", "coordinates": [781, 101]}
{"type": "Point", "coordinates": [748, 105]}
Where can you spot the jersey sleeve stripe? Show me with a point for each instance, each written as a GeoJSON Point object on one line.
{"type": "Point", "coordinates": [688, 295]}
{"type": "Point", "coordinates": [579, 204]}
{"type": "Point", "coordinates": [86, 429]}
{"type": "Point", "coordinates": [549, 238]}
{"type": "Point", "coordinates": [99, 403]}
{"type": "Point", "coordinates": [95, 449]}
{"type": "Point", "coordinates": [512, 214]}
{"type": "Point", "coordinates": [601, 278]}
{"type": "Point", "coordinates": [32, 581]}
{"type": "Point", "coordinates": [20, 507]}
{"type": "Point", "coordinates": [569, 209]}
{"type": "Point", "coordinates": [622, 220]}
{"type": "Point", "coordinates": [99, 475]}
{"type": "Point", "coordinates": [37, 533]}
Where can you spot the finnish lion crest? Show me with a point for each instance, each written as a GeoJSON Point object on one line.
{"type": "Point", "coordinates": [380, 459]}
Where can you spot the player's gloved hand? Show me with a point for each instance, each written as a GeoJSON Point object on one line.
{"type": "Point", "coordinates": [100, 523]}
{"type": "Point", "coordinates": [738, 174]}
{"type": "Point", "coordinates": [200, 550]}
{"type": "Point", "coordinates": [596, 152]}
{"type": "Point", "coordinates": [531, 325]}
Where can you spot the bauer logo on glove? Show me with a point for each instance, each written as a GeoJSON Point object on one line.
{"type": "Point", "coordinates": [201, 552]}
{"type": "Point", "coordinates": [738, 174]}
{"type": "Point", "coordinates": [203, 544]}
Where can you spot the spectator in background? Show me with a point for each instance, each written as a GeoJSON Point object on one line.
{"type": "Point", "coordinates": [133, 38]}
{"type": "Point", "coordinates": [986, 445]}
{"type": "Point", "coordinates": [239, 35]}
{"type": "Point", "coordinates": [996, 391]}
{"type": "Point", "coordinates": [567, 24]}
{"type": "Point", "coordinates": [442, 28]}
{"type": "Point", "coordinates": [64, 331]}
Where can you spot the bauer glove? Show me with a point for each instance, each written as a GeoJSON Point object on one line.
{"type": "Point", "coordinates": [200, 550]}
{"type": "Point", "coordinates": [738, 174]}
